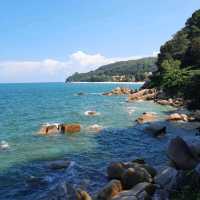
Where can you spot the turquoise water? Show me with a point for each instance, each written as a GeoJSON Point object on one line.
{"type": "Point", "coordinates": [24, 107]}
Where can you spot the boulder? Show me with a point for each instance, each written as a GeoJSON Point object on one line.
{"type": "Point", "coordinates": [115, 170]}
{"type": "Point", "coordinates": [146, 117]}
{"type": "Point", "coordinates": [155, 129]}
{"type": "Point", "coordinates": [167, 179]}
{"type": "Point", "coordinates": [49, 129]}
{"type": "Point", "coordinates": [58, 164]}
{"type": "Point", "coordinates": [70, 128]}
{"type": "Point", "coordinates": [133, 176]}
{"type": "Point", "coordinates": [145, 94]}
{"type": "Point", "coordinates": [119, 91]}
{"type": "Point", "coordinates": [165, 102]}
{"type": "Point", "coordinates": [180, 154]}
{"type": "Point", "coordinates": [113, 188]}
{"type": "Point", "coordinates": [141, 191]}
{"type": "Point", "coordinates": [178, 117]}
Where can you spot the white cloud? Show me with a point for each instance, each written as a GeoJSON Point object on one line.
{"type": "Point", "coordinates": [54, 70]}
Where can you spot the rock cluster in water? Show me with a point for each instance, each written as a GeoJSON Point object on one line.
{"type": "Point", "coordinates": [49, 129]}
{"type": "Point", "coordinates": [119, 91]}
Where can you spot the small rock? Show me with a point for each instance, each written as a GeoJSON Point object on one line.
{"type": "Point", "coordinates": [95, 128]}
{"type": "Point", "coordinates": [146, 117]}
{"type": "Point", "coordinates": [82, 195]}
{"type": "Point", "coordinates": [59, 164]}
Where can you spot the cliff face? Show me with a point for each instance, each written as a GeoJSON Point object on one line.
{"type": "Point", "coordinates": [132, 70]}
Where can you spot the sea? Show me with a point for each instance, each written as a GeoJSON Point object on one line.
{"type": "Point", "coordinates": [24, 107]}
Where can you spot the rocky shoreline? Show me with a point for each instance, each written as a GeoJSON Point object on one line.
{"type": "Point", "coordinates": [137, 180]}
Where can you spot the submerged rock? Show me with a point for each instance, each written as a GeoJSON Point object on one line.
{"type": "Point", "coordinates": [156, 129]}
{"type": "Point", "coordinates": [181, 155]}
{"type": "Point", "coordinates": [113, 188]}
{"type": "Point", "coordinates": [146, 117]}
{"type": "Point", "coordinates": [58, 164]}
{"type": "Point", "coordinates": [95, 128]}
{"type": "Point", "coordinates": [4, 145]}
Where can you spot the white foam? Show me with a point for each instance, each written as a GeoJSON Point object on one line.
{"type": "Point", "coordinates": [4, 145]}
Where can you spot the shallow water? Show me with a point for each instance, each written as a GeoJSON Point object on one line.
{"type": "Point", "coordinates": [24, 107]}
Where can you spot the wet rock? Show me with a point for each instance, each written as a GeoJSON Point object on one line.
{"type": "Point", "coordinates": [165, 102]}
{"type": "Point", "coordinates": [167, 178]}
{"type": "Point", "coordinates": [119, 91]}
{"type": "Point", "coordinates": [180, 153]}
{"type": "Point", "coordinates": [70, 128]}
{"type": "Point", "coordinates": [178, 117]}
{"type": "Point", "coordinates": [113, 188]}
{"type": "Point", "coordinates": [50, 129]}
{"type": "Point", "coordinates": [196, 115]}
{"type": "Point", "coordinates": [82, 195]}
{"type": "Point", "coordinates": [139, 161]}
{"type": "Point", "coordinates": [141, 191]}
{"type": "Point", "coordinates": [115, 171]}
{"type": "Point", "coordinates": [133, 176]}
{"type": "Point", "coordinates": [145, 94]}
{"type": "Point", "coordinates": [58, 164]}
{"type": "Point", "coordinates": [91, 113]}
{"type": "Point", "coordinates": [156, 129]}
{"type": "Point", "coordinates": [81, 94]}
{"type": "Point", "coordinates": [146, 117]}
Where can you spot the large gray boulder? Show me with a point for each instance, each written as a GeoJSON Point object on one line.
{"type": "Point", "coordinates": [167, 178]}
{"type": "Point", "coordinates": [133, 176]}
{"type": "Point", "coordinates": [180, 154]}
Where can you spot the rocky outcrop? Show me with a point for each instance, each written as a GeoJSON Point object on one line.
{"type": "Point", "coordinates": [181, 155]}
{"type": "Point", "coordinates": [119, 91]}
{"type": "Point", "coordinates": [145, 94]}
{"type": "Point", "coordinates": [170, 102]}
{"type": "Point", "coordinates": [146, 117]}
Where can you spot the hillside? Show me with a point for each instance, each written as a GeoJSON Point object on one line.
{"type": "Point", "coordinates": [132, 70]}
{"type": "Point", "coordinates": [178, 64]}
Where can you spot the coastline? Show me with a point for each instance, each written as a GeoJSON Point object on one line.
{"type": "Point", "coordinates": [107, 82]}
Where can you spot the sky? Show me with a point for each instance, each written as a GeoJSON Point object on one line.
{"type": "Point", "coordinates": [48, 40]}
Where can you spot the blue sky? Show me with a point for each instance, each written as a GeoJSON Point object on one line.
{"type": "Point", "coordinates": [46, 40]}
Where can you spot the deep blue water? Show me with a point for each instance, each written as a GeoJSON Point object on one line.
{"type": "Point", "coordinates": [24, 107]}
